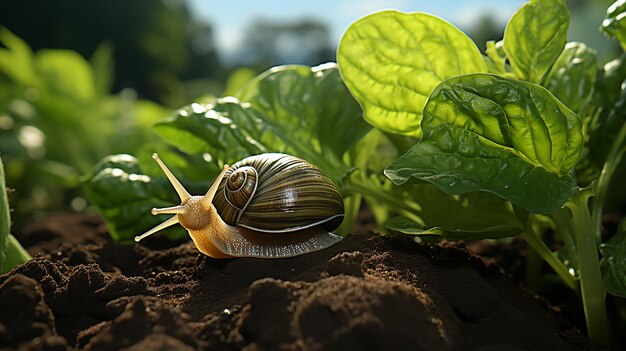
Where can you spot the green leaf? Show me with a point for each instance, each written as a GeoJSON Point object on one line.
{"type": "Point", "coordinates": [66, 73]}
{"type": "Point", "coordinates": [614, 23]}
{"type": "Point", "coordinates": [16, 61]}
{"type": "Point", "coordinates": [304, 111]}
{"type": "Point", "coordinates": [102, 68]}
{"type": "Point", "coordinates": [124, 196]}
{"type": "Point", "coordinates": [237, 79]}
{"type": "Point", "coordinates": [495, 52]}
{"type": "Point", "coordinates": [391, 61]}
{"type": "Point", "coordinates": [535, 37]}
{"type": "Point", "coordinates": [16, 254]}
{"type": "Point", "coordinates": [214, 129]}
{"type": "Point", "coordinates": [573, 76]}
{"type": "Point", "coordinates": [614, 264]}
{"type": "Point", "coordinates": [605, 130]}
{"type": "Point", "coordinates": [606, 122]}
{"type": "Point", "coordinates": [308, 108]}
{"type": "Point", "coordinates": [610, 81]}
{"type": "Point", "coordinates": [461, 217]}
{"type": "Point", "coordinates": [488, 133]}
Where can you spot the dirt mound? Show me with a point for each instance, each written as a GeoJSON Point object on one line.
{"type": "Point", "coordinates": [366, 292]}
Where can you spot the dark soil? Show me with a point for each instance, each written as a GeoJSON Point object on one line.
{"type": "Point", "coordinates": [366, 293]}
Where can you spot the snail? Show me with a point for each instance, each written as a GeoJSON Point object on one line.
{"type": "Point", "coordinates": [268, 206]}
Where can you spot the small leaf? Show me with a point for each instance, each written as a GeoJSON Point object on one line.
{"type": "Point", "coordinates": [614, 264]}
{"type": "Point", "coordinates": [16, 255]}
{"type": "Point", "coordinates": [488, 133]}
{"type": "Point", "coordinates": [535, 37]}
{"type": "Point", "coordinates": [102, 68]}
{"type": "Point", "coordinates": [17, 60]}
{"type": "Point", "coordinates": [461, 217]}
{"type": "Point", "coordinates": [391, 61]}
{"type": "Point", "coordinates": [495, 52]}
{"type": "Point", "coordinates": [614, 23]}
{"type": "Point", "coordinates": [573, 76]}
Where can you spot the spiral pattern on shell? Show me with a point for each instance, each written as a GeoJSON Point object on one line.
{"type": "Point", "coordinates": [277, 193]}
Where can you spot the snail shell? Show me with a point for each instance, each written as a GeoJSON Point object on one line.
{"type": "Point", "coordinates": [278, 193]}
{"type": "Point", "coordinates": [267, 206]}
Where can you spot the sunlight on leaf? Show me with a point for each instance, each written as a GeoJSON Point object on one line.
{"type": "Point", "coordinates": [391, 61]}
{"type": "Point", "coordinates": [535, 37]}
{"type": "Point", "coordinates": [489, 133]}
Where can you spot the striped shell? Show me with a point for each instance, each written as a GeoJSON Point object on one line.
{"type": "Point", "coordinates": [277, 193]}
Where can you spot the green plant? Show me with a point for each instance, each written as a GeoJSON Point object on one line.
{"type": "Point", "coordinates": [11, 252]}
{"type": "Point", "coordinates": [512, 143]}
{"type": "Point", "coordinates": [57, 118]}
{"type": "Point", "coordinates": [514, 127]}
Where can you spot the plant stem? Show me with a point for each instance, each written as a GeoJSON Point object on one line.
{"type": "Point", "coordinates": [534, 261]}
{"type": "Point", "coordinates": [612, 161]}
{"type": "Point", "coordinates": [405, 208]}
{"type": "Point", "coordinates": [533, 239]}
{"type": "Point", "coordinates": [352, 205]}
{"type": "Point", "coordinates": [591, 284]}
{"type": "Point", "coordinates": [5, 219]}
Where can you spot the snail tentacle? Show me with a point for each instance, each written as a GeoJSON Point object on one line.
{"type": "Point", "coordinates": [170, 222]}
{"type": "Point", "coordinates": [180, 189]}
{"type": "Point", "coordinates": [207, 199]}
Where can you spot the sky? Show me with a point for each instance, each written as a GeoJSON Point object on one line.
{"type": "Point", "coordinates": [231, 17]}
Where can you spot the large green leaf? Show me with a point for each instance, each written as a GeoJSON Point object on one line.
{"type": "Point", "coordinates": [614, 23]}
{"type": "Point", "coordinates": [125, 195]}
{"type": "Point", "coordinates": [227, 130]}
{"type": "Point", "coordinates": [308, 108]}
{"type": "Point", "coordinates": [391, 61]}
{"type": "Point", "coordinates": [303, 111]}
{"type": "Point", "coordinates": [489, 133]}
{"type": "Point", "coordinates": [573, 76]}
{"type": "Point", "coordinates": [535, 37]}
{"type": "Point", "coordinates": [461, 217]}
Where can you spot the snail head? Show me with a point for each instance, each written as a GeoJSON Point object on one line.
{"type": "Point", "coordinates": [192, 213]}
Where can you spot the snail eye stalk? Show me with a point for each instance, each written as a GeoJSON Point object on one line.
{"type": "Point", "coordinates": [170, 222]}
{"type": "Point", "coordinates": [182, 193]}
{"type": "Point", "coordinates": [207, 199]}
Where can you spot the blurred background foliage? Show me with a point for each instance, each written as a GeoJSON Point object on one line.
{"type": "Point", "coordinates": [80, 80]}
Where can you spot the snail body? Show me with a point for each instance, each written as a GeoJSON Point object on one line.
{"type": "Point", "coordinates": [267, 206]}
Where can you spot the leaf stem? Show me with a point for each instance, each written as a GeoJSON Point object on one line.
{"type": "Point", "coordinates": [532, 238]}
{"type": "Point", "coordinates": [591, 284]}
